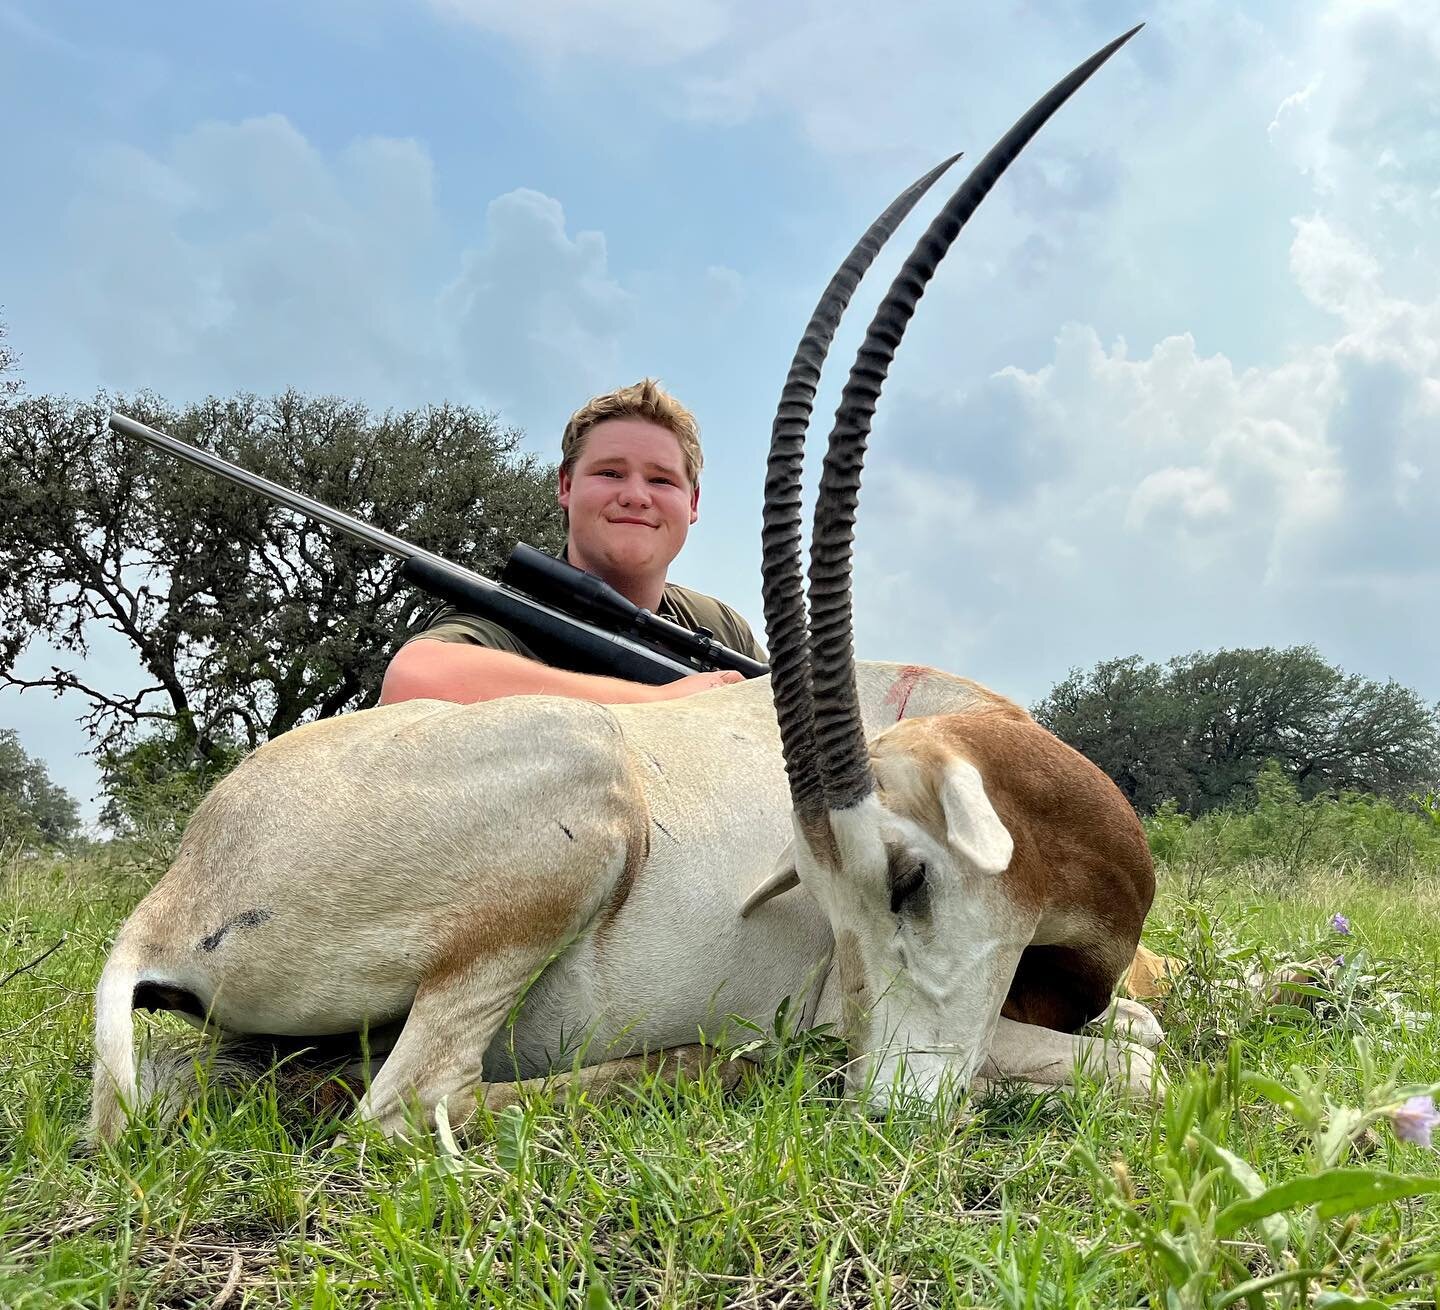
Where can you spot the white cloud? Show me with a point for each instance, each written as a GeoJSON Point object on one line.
{"type": "Point", "coordinates": [1194, 493]}
{"type": "Point", "coordinates": [1335, 272]}
{"type": "Point", "coordinates": [243, 257]}
{"type": "Point", "coordinates": [1274, 491]}
{"type": "Point", "coordinates": [641, 33]}
{"type": "Point", "coordinates": [534, 316]}
{"type": "Point", "coordinates": [1269, 504]}
{"type": "Point", "coordinates": [1363, 126]}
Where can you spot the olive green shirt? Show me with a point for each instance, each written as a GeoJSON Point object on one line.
{"type": "Point", "coordinates": [690, 609]}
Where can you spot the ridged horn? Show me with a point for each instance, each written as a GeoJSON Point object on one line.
{"type": "Point", "coordinates": [782, 583]}
{"type": "Point", "coordinates": [839, 734]}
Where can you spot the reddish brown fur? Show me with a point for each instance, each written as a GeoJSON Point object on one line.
{"type": "Point", "coordinates": [1081, 859]}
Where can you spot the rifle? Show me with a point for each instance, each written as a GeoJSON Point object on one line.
{"type": "Point", "coordinates": [540, 599]}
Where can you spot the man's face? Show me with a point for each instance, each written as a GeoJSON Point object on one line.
{"type": "Point", "coordinates": [630, 501]}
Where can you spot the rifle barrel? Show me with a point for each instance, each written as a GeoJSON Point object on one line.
{"type": "Point", "coordinates": [301, 504]}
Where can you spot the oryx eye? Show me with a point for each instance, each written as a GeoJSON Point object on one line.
{"type": "Point", "coordinates": [905, 882]}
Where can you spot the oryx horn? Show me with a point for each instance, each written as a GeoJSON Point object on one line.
{"type": "Point", "coordinates": [839, 734]}
{"type": "Point", "coordinates": [785, 625]}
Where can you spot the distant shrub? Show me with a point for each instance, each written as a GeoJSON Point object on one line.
{"type": "Point", "coordinates": [1201, 727]}
{"type": "Point", "coordinates": [1285, 831]}
{"type": "Point", "coordinates": [153, 787]}
{"type": "Point", "coordinates": [1168, 832]}
{"type": "Point", "coordinates": [34, 812]}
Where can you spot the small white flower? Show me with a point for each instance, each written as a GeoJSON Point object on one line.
{"type": "Point", "coordinates": [1415, 1120]}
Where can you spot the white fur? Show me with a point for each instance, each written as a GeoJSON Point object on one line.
{"type": "Point", "coordinates": [428, 865]}
{"type": "Point", "coordinates": [972, 827]}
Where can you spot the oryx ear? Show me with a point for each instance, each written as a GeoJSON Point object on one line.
{"type": "Point", "coordinates": [972, 827]}
{"type": "Point", "coordinates": [781, 879]}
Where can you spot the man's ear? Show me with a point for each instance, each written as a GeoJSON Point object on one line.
{"type": "Point", "coordinates": [562, 491]}
{"type": "Point", "coordinates": [695, 503]}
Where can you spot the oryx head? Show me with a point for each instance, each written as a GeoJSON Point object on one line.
{"type": "Point", "coordinates": [899, 842]}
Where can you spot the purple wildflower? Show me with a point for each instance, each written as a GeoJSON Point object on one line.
{"type": "Point", "coordinates": [1415, 1120]}
{"type": "Point", "coordinates": [1340, 924]}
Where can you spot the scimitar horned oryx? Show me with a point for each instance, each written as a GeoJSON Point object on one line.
{"type": "Point", "coordinates": [968, 863]}
{"type": "Point", "coordinates": [409, 877]}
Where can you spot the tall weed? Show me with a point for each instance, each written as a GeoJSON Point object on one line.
{"type": "Point", "coordinates": [1282, 833]}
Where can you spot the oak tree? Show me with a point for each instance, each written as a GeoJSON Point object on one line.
{"type": "Point", "coordinates": [1201, 728]}
{"type": "Point", "coordinates": [244, 619]}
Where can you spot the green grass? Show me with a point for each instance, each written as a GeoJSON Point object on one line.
{"type": "Point", "coordinates": [774, 1195]}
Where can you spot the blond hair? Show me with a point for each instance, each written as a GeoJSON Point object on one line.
{"type": "Point", "coordinates": [646, 400]}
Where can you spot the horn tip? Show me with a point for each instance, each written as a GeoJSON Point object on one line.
{"type": "Point", "coordinates": [1103, 54]}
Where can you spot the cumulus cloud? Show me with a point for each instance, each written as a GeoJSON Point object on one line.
{"type": "Point", "coordinates": [241, 257]}
{"type": "Point", "coordinates": [1385, 424]}
{"type": "Point", "coordinates": [1361, 123]}
{"type": "Point", "coordinates": [1270, 487]}
{"type": "Point", "coordinates": [1278, 503]}
{"type": "Point", "coordinates": [245, 257]}
{"type": "Point", "coordinates": [1195, 494]}
{"type": "Point", "coordinates": [1333, 271]}
{"type": "Point", "coordinates": [534, 315]}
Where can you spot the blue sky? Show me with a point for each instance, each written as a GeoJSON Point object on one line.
{"type": "Point", "coordinates": [1176, 387]}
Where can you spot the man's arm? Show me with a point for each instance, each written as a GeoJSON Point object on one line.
{"type": "Point", "coordinates": [465, 673]}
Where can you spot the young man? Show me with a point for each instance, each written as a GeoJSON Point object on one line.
{"type": "Point", "coordinates": [630, 489]}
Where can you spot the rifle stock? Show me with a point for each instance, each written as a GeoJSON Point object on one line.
{"type": "Point", "coordinates": [613, 638]}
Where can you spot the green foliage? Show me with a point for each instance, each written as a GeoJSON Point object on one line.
{"type": "Point", "coordinates": [1218, 1233]}
{"type": "Point", "coordinates": [1167, 831]}
{"type": "Point", "coordinates": [9, 385]}
{"type": "Point", "coordinates": [154, 785]}
{"type": "Point", "coordinates": [777, 1193]}
{"type": "Point", "coordinates": [1282, 832]}
{"type": "Point", "coordinates": [245, 619]}
{"type": "Point", "coordinates": [33, 810]}
{"type": "Point", "coordinates": [1200, 729]}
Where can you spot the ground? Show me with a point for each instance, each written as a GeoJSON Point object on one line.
{"type": "Point", "coordinates": [778, 1194]}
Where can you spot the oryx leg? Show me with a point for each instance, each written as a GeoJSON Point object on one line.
{"type": "Point", "coordinates": [441, 1049]}
{"type": "Point", "coordinates": [459, 1079]}
{"type": "Point", "coordinates": [611, 1077]}
{"type": "Point", "coordinates": [1129, 1021]}
{"type": "Point", "coordinates": [1060, 995]}
{"type": "Point", "coordinates": [1044, 1058]}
